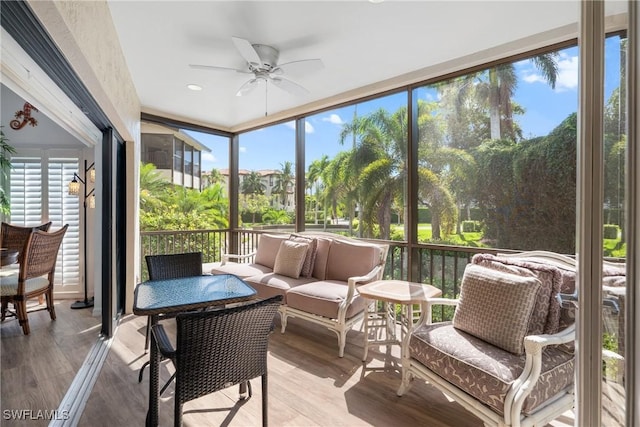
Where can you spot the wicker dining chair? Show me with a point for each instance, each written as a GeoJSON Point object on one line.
{"type": "Point", "coordinates": [170, 266]}
{"type": "Point", "coordinates": [35, 276]}
{"type": "Point", "coordinates": [14, 237]}
{"type": "Point", "coordinates": [219, 348]}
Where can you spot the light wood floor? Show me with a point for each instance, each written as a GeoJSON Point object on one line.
{"type": "Point", "coordinates": [308, 384]}
{"type": "Point", "coordinates": [37, 369]}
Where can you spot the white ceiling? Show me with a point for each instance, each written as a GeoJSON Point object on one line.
{"type": "Point", "coordinates": [365, 47]}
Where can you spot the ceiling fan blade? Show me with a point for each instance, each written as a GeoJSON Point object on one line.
{"type": "Point", "coordinates": [217, 68]}
{"type": "Point", "coordinates": [302, 66]}
{"type": "Point", "coordinates": [247, 87]}
{"type": "Point", "coordinates": [289, 86]}
{"type": "Point", "coordinates": [247, 51]}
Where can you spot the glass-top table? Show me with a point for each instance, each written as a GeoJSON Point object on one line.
{"type": "Point", "coordinates": [155, 297]}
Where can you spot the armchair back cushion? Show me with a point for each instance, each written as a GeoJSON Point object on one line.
{"type": "Point", "coordinates": [496, 306]}
{"type": "Point", "coordinates": [546, 312]}
{"type": "Point", "coordinates": [268, 247]}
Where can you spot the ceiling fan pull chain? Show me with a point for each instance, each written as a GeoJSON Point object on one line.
{"type": "Point", "coordinates": [266, 89]}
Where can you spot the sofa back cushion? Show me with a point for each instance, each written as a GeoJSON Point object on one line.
{"type": "Point", "coordinates": [290, 258]}
{"type": "Point", "coordinates": [347, 259]}
{"type": "Point", "coordinates": [322, 255]}
{"type": "Point", "coordinates": [268, 247]}
{"type": "Point", "coordinates": [496, 306]}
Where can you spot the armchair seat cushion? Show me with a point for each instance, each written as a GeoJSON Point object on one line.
{"type": "Point", "coordinates": [323, 298]}
{"type": "Point", "coordinates": [485, 371]}
{"type": "Point", "coordinates": [239, 269]}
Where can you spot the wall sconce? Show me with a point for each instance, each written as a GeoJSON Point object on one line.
{"type": "Point", "coordinates": [74, 190]}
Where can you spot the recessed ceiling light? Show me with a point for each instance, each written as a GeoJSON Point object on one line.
{"type": "Point", "coordinates": [375, 1]}
{"type": "Point", "coordinates": [194, 87]}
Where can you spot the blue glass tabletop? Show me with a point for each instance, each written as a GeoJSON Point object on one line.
{"type": "Point", "coordinates": [189, 293]}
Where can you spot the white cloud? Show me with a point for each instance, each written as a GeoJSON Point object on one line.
{"type": "Point", "coordinates": [308, 127]}
{"type": "Point", "coordinates": [567, 78]}
{"type": "Point", "coordinates": [242, 149]}
{"type": "Point", "coordinates": [568, 73]}
{"type": "Point", "coordinates": [209, 157]}
{"type": "Point", "coordinates": [334, 119]}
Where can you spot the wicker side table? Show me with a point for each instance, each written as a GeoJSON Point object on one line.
{"type": "Point", "coordinates": [382, 323]}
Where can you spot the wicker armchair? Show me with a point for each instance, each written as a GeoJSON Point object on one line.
{"type": "Point", "coordinates": [170, 266]}
{"type": "Point", "coordinates": [14, 237]}
{"type": "Point", "coordinates": [220, 348]}
{"type": "Point", "coordinates": [35, 276]}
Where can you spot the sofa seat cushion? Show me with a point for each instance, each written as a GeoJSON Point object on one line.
{"type": "Point", "coordinates": [323, 298]}
{"type": "Point", "coordinates": [241, 270]}
{"type": "Point", "coordinates": [484, 371]}
{"type": "Point", "coordinates": [270, 284]}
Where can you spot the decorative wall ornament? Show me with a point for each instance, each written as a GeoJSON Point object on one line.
{"type": "Point", "coordinates": [25, 114]}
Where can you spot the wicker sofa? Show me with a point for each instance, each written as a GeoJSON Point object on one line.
{"type": "Point", "coordinates": [507, 356]}
{"type": "Point", "coordinates": [316, 273]}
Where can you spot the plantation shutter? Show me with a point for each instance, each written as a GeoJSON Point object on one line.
{"type": "Point", "coordinates": [25, 193]}
{"type": "Point", "coordinates": [64, 209]}
{"type": "Point", "coordinates": [39, 193]}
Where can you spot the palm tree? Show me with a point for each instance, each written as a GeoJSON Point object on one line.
{"type": "Point", "coordinates": [252, 184]}
{"type": "Point", "coordinates": [285, 179]}
{"type": "Point", "coordinates": [378, 165]}
{"type": "Point", "coordinates": [494, 88]}
{"type": "Point", "coordinates": [212, 178]}
{"type": "Point", "coordinates": [314, 179]}
{"type": "Point", "coordinates": [152, 186]}
{"type": "Point", "coordinates": [501, 85]}
{"type": "Point", "coordinates": [335, 181]}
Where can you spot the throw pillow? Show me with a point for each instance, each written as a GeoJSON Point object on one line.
{"type": "Point", "coordinates": [290, 258]}
{"type": "Point", "coordinates": [310, 258]}
{"type": "Point", "coordinates": [496, 306]}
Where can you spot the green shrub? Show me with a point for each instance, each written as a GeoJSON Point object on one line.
{"type": "Point", "coordinates": [611, 231]}
{"type": "Point", "coordinates": [470, 226]}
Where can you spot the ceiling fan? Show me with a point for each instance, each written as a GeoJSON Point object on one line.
{"type": "Point", "coordinates": [262, 62]}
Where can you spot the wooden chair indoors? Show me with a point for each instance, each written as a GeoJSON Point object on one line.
{"type": "Point", "coordinates": [170, 266]}
{"type": "Point", "coordinates": [35, 276]}
{"type": "Point", "coordinates": [14, 237]}
{"type": "Point", "coordinates": [217, 349]}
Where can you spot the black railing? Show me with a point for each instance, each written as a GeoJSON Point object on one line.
{"type": "Point", "coordinates": [438, 265]}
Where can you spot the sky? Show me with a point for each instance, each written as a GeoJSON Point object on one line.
{"type": "Point", "coordinates": [270, 147]}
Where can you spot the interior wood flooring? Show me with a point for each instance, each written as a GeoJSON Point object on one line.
{"type": "Point", "coordinates": [308, 384]}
